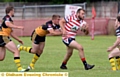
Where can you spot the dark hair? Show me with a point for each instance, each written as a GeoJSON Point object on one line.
{"type": "Point", "coordinates": [55, 16]}
{"type": "Point", "coordinates": [118, 18]}
{"type": "Point", "coordinates": [8, 9]}
{"type": "Point", "coordinates": [80, 10]}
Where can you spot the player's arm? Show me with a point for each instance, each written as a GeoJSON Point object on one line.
{"type": "Point", "coordinates": [16, 37]}
{"type": "Point", "coordinates": [84, 28]}
{"type": "Point", "coordinates": [117, 42]}
{"type": "Point", "coordinates": [62, 23]}
{"type": "Point", "coordinates": [9, 24]}
{"type": "Point", "coordinates": [54, 32]}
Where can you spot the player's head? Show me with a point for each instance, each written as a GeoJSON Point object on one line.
{"type": "Point", "coordinates": [55, 19]}
{"type": "Point", "coordinates": [10, 10]}
{"type": "Point", "coordinates": [117, 22]}
{"type": "Point", "coordinates": [80, 14]}
{"type": "Point", "coordinates": [118, 18]}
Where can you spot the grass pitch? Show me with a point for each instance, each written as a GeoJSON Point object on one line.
{"type": "Point", "coordinates": [50, 60]}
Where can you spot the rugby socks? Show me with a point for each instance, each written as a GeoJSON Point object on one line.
{"type": "Point", "coordinates": [113, 63]}
{"type": "Point", "coordinates": [84, 61]}
{"type": "Point", "coordinates": [64, 63]}
{"type": "Point", "coordinates": [17, 62]}
{"type": "Point", "coordinates": [27, 49]}
{"type": "Point", "coordinates": [118, 62]}
{"type": "Point", "coordinates": [35, 58]}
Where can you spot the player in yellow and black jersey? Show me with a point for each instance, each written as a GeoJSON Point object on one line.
{"type": "Point", "coordinates": [114, 50]}
{"type": "Point", "coordinates": [38, 38]}
{"type": "Point", "coordinates": [5, 41]}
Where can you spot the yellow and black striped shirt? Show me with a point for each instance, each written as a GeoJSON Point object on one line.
{"type": "Point", "coordinates": [4, 30]}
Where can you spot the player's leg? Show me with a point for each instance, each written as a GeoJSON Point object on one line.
{"type": "Point", "coordinates": [79, 47]}
{"type": "Point", "coordinates": [35, 44]}
{"type": "Point", "coordinates": [24, 48]}
{"type": "Point", "coordinates": [38, 46]}
{"type": "Point", "coordinates": [12, 47]}
{"type": "Point", "coordinates": [40, 41]}
{"type": "Point", "coordinates": [118, 62]}
{"type": "Point", "coordinates": [2, 49]}
{"type": "Point", "coordinates": [2, 53]}
{"type": "Point", "coordinates": [37, 55]}
{"type": "Point", "coordinates": [28, 49]}
{"type": "Point", "coordinates": [67, 57]}
{"type": "Point", "coordinates": [114, 59]}
{"type": "Point", "coordinates": [115, 52]}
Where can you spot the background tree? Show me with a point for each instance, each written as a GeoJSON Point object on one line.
{"type": "Point", "coordinates": [56, 1]}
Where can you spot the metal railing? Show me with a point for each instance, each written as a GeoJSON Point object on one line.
{"type": "Point", "coordinates": [26, 11]}
{"type": "Point", "coordinates": [37, 11]}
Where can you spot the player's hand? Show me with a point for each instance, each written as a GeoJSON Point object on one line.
{"type": "Point", "coordinates": [20, 41]}
{"type": "Point", "coordinates": [85, 26]}
{"type": "Point", "coordinates": [110, 49]}
{"type": "Point", "coordinates": [85, 29]}
{"type": "Point", "coordinates": [21, 27]}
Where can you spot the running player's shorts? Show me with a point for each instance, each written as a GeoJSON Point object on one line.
{"type": "Point", "coordinates": [4, 40]}
{"type": "Point", "coordinates": [36, 38]}
{"type": "Point", "coordinates": [67, 41]}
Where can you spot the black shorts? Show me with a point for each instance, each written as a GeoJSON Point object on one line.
{"type": "Point", "coordinates": [36, 38]}
{"type": "Point", "coordinates": [4, 40]}
{"type": "Point", "coordinates": [67, 41]}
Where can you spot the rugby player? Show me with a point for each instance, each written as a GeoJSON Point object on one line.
{"type": "Point", "coordinates": [5, 41]}
{"type": "Point", "coordinates": [38, 39]}
{"type": "Point", "coordinates": [114, 55]}
{"type": "Point", "coordinates": [69, 26]}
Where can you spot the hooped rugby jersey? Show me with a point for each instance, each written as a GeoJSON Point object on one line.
{"type": "Point", "coordinates": [72, 26]}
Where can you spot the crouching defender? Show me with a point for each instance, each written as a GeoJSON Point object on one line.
{"type": "Point", "coordinates": [38, 39]}
{"type": "Point", "coordinates": [114, 55]}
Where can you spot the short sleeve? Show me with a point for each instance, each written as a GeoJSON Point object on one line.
{"type": "Point", "coordinates": [118, 32]}
{"type": "Point", "coordinates": [49, 26]}
{"type": "Point", "coordinates": [7, 19]}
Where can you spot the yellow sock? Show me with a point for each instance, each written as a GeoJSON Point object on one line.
{"type": "Point", "coordinates": [113, 64]}
{"type": "Point", "coordinates": [118, 62]}
{"type": "Point", "coordinates": [17, 62]}
{"type": "Point", "coordinates": [35, 58]}
{"type": "Point", "coordinates": [27, 49]}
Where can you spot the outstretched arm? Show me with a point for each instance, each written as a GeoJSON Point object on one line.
{"type": "Point", "coordinates": [55, 32]}
{"type": "Point", "coordinates": [16, 38]}
{"type": "Point", "coordinates": [9, 24]}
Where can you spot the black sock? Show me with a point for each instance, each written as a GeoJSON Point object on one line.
{"type": "Point", "coordinates": [64, 63]}
{"type": "Point", "coordinates": [85, 63]}
{"type": "Point", "coordinates": [30, 50]}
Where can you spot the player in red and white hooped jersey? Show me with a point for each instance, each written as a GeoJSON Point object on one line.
{"type": "Point", "coordinates": [70, 25]}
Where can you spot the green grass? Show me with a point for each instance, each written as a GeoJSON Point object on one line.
{"type": "Point", "coordinates": [50, 60]}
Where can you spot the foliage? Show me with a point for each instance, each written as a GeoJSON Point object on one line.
{"type": "Point", "coordinates": [56, 1]}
